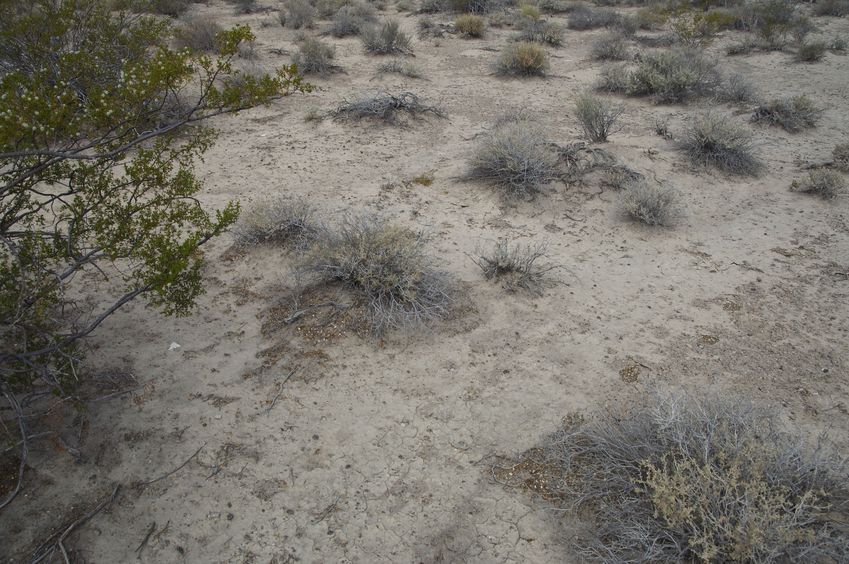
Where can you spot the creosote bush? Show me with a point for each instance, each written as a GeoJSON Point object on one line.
{"type": "Point", "coordinates": [515, 266]}
{"type": "Point", "coordinates": [826, 184]}
{"type": "Point", "coordinates": [792, 114]}
{"type": "Point", "coordinates": [515, 157]}
{"type": "Point", "coordinates": [470, 25]}
{"type": "Point", "coordinates": [711, 140]}
{"type": "Point", "coordinates": [609, 47]}
{"type": "Point", "coordinates": [386, 40]}
{"type": "Point", "coordinates": [684, 479]}
{"type": "Point", "coordinates": [522, 59]}
{"type": "Point", "coordinates": [314, 56]}
{"type": "Point", "coordinates": [597, 116]}
{"type": "Point", "coordinates": [652, 204]}
{"type": "Point", "coordinates": [385, 107]}
{"type": "Point", "coordinates": [387, 265]}
{"type": "Point", "coordinates": [198, 33]}
{"type": "Point", "coordinates": [287, 222]}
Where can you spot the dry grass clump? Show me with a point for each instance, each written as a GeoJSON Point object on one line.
{"type": "Point", "coordinates": [826, 184]}
{"type": "Point", "coordinates": [597, 116]}
{"type": "Point", "coordinates": [386, 39]}
{"type": "Point", "coordinates": [609, 47]}
{"type": "Point", "coordinates": [651, 204]}
{"type": "Point", "coordinates": [385, 107]}
{"type": "Point", "coordinates": [811, 51]}
{"type": "Point", "coordinates": [403, 68]}
{"type": "Point", "coordinates": [470, 25]}
{"type": "Point", "coordinates": [516, 157]}
{"type": "Point", "coordinates": [614, 78]}
{"type": "Point", "coordinates": [198, 33]}
{"type": "Point", "coordinates": [792, 114]}
{"type": "Point", "coordinates": [736, 88]}
{"type": "Point", "coordinates": [288, 222]}
{"type": "Point", "coordinates": [297, 14]}
{"type": "Point", "coordinates": [583, 17]}
{"type": "Point", "coordinates": [673, 76]}
{"type": "Point", "coordinates": [387, 265]}
{"type": "Point", "coordinates": [710, 140]}
{"type": "Point", "coordinates": [522, 59]}
{"type": "Point", "coordinates": [352, 19]}
{"type": "Point", "coordinates": [515, 266]}
{"type": "Point", "coordinates": [840, 154]}
{"type": "Point", "coordinates": [314, 57]}
{"type": "Point", "coordinates": [539, 31]}
{"type": "Point", "coordinates": [685, 479]}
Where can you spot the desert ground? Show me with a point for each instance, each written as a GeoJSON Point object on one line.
{"type": "Point", "coordinates": [313, 442]}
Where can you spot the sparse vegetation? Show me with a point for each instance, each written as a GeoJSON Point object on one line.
{"type": "Point", "coordinates": [792, 114]}
{"type": "Point", "coordinates": [735, 88]}
{"type": "Point", "coordinates": [515, 157]}
{"type": "Point", "coordinates": [297, 14]}
{"type": "Point", "coordinates": [403, 68]}
{"type": "Point", "coordinates": [811, 51]}
{"type": "Point", "coordinates": [385, 107]}
{"type": "Point", "coordinates": [614, 78]}
{"type": "Point", "coordinates": [673, 76]}
{"type": "Point", "coordinates": [280, 221]}
{"type": "Point", "coordinates": [386, 39]}
{"type": "Point", "coordinates": [583, 17]}
{"type": "Point", "coordinates": [243, 6]}
{"type": "Point", "coordinates": [198, 33]}
{"type": "Point", "coordinates": [540, 31]}
{"type": "Point", "coordinates": [710, 140]}
{"type": "Point", "coordinates": [826, 184]}
{"type": "Point", "coordinates": [470, 25]}
{"type": "Point", "coordinates": [835, 8]}
{"type": "Point", "coordinates": [515, 266]}
{"type": "Point", "coordinates": [609, 47]}
{"type": "Point", "coordinates": [522, 59]}
{"type": "Point", "coordinates": [314, 57]}
{"type": "Point", "coordinates": [352, 19]}
{"type": "Point", "coordinates": [685, 479]}
{"type": "Point", "coordinates": [651, 204]}
{"type": "Point", "coordinates": [840, 154]}
{"type": "Point", "coordinates": [387, 265]}
{"type": "Point", "coordinates": [598, 117]}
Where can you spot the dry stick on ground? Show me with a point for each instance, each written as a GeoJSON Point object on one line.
{"type": "Point", "coordinates": [58, 542]}
{"type": "Point", "coordinates": [302, 312]}
{"type": "Point", "coordinates": [280, 390]}
{"type": "Point", "coordinates": [174, 471]}
{"type": "Point", "coordinates": [146, 538]}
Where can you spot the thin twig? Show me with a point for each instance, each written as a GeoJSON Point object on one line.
{"type": "Point", "coordinates": [279, 391]}
{"type": "Point", "coordinates": [174, 471]}
{"type": "Point", "coordinates": [146, 538]}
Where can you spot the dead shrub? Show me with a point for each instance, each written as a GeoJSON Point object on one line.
{"type": "Point", "coordinates": [387, 265]}
{"type": "Point", "coordinates": [470, 25]}
{"type": "Point", "coordinates": [710, 140]}
{"type": "Point", "coordinates": [198, 33]}
{"type": "Point", "coordinates": [297, 14]}
{"type": "Point", "coordinates": [386, 39]}
{"type": "Point", "coordinates": [314, 57]}
{"type": "Point", "coordinates": [826, 184]}
{"type": "Point", "coordinates": [651, 204]}
{"type": "Point", "coordinates": [515, 266]}
{"type": "Point", "coordinates": [609, 47]}
{"type": "Point", "coordinates": [597, 116]}
{"type": "Point", "coordinates": [286, 222]}
{"type": "Point", "coordinates": [385, 107]}
{"type": "Point", "coordinates": [515, 157]}
{"type": "Point", "coordinates": [352, 19]}
{"type": "Point", "coordinates": [539, 31]}
{"type": "Point", "coordinates": [791, 114]}
{"type": "Point", "coordinates": [522, 59]}
{"type": "Point", "coordinates": [691, 479]}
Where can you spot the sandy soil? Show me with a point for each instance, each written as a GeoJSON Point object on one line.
{"type": "Point", "coordinates": [377, 451]}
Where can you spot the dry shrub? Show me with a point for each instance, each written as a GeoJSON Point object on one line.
{"type": "Point", "coordinates": [313, 56]}
{"type": "Point", "coordinates": [792, 114]}
{"type": "Point", "coordinates": [243, 6]}
{"type": "Point", "coordinates": [826, 184]}
{"type": "Point", "coordinates": [539, 31]}
{"type": "Point", "coordinates": [198, 33]}
{"type": "Point", "coordinates": [515, 157]}
{"type": "Point", "coordinates": [403, 68]}
{"type": "Point", "coordinates": [385, 107]}
{"type": "Point", "coordinates": [736, 88]}
{"type": "Point", "coordinates": [297, 14]}
{"type": "Point", "coordinates": [173, 8]}
{"type": "Point", "coordinates": [597, 116]}
{"type": "Point", "coordinates": [811, 51]}
{"type": "Point", "coordinates": [686, 479]}
{"type": "Point", "coordinates": [583, 17]}
{"type": "Point", "coordinates": [836, 8]}
{"type": "Point", "coordinates": [352, 19]}
{"type": "Point", "coordinates": [840, 155]}
{"type": "Point", "coordinates": [522, 59]}
{"type": "Point", "coordinates": [470, 25]}
{"type": "Point", "coordinates": [710, 140]}
{"type": "Point", "coordinates": [386, 39]}
{"type": "Point", "coordinates": [673, 76]}
{"type": "Point", "coordinates": [651, 204]}
{"type": "Point", "coordinates": [609, 47]}
{"type": "Point", "coordinates": [287, 222]}
{"type": "Point", "coordinates": [387, 265]}
{"type": "Point", "coordinates": [515, 266]}
{"type": "Point", "coordinates": [614, 78]}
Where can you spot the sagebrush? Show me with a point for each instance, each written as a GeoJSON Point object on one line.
{"type": "Point", "coordinates": [712, 140]}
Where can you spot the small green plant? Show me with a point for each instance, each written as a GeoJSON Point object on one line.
{"type": "Point", "coordinates": [470, 25]}
{"type": "Point", "coordinates": [386, 40]}
{"type": "Point", "coordinates": [710, 140]}
{"type": "Point", "coordinates": [651, 204]}
{"type": "Point", "coordinates": [425, 179]}
{"type": "Point", "coordinates": [598, 117]}
{"type": "Point", "coordinates": [791, 114]}
{"type": "Point", "coordinates": [314, 57]}
{"type": "Point", "coordinates": [516, 267]}
{"type": "Point", "coordinates": [827, 184]}
{"type": "Point", "coordinates": [522, 59]}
